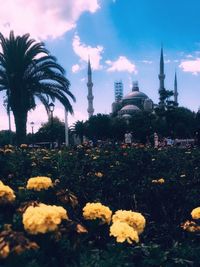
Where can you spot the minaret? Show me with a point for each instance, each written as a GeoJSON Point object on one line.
{"type": "Point", "coordinates": [90, 97]}
{"type": "Point", "coordinates": [175, 91]}
{"type": "Point", "coordinates": [161, 76]}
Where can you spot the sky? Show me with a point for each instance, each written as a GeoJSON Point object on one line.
{"type": "Point", "coordinates": [123, 39]}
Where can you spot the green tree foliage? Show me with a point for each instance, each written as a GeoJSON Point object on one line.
{"type": "Point", "coordinates": [164, 96]}
{"type": "Point", "coordinates": [98, 126]}
{"type": "Point", "coordinates": [118, 128]}
{"type": "Point", "coordinates": [28, 72]}
{"type": "Point", "coordinates": [142, 125]}
{"type": "Point", "coordinates": [79, 128]}
{"type": "Point", "coordinates": [6, 137]}
{"type": "Point", "coordinates": [53, 130]}
{"type": "Point", "coordinates": [176, 122]}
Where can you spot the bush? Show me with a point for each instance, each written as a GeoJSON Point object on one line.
{"type": "Point", "coordinates": [118, 177]}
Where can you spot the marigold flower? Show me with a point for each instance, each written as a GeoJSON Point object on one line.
{"type": "Point", "coordinates": [93, 211]}
{"type": "Point", "coordinates": [159, 181]}
{"type": "Point", "coordinates": [23, 146]}
{"type": "Point", "coordinates": [46, 158]}
{"type": "Point", "coordinates": [190, 226]}
{"type": "Point", "coordinates": [43, 218]}
{"type": "Point", "coordinates": [196, 213]}
{"type": "Point", "coordinates": [6, 193]}
{"type": "Point", "coordinates": [99, 174]}
{"type": "Point", "coordinates": [123, 232]}
{"type": "Point", "coordinates": [134, 219]}
{"type": "Point", "coordinates": [4, 252]}
{"type": "Point", "coordinates": [39, 183]}
{"type": "Point", "coordinates": [8, 151]}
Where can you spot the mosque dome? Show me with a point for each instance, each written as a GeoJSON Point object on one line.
{"type": "Point", "coordinates": [135, 94]}
{"type": "Point", "coordinates": [133, 102]}
{"type": "Point", "coordinates": [128, 109]}
{"type": "Point", "coordinates": [126, 116]}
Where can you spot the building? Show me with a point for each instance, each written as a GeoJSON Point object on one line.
{"type": "Point", "coordinates": [137, 101]}
{"type": "Point", "coordinates": [90, 96]}
{"type": "Point", "coordinates": [119, 90]}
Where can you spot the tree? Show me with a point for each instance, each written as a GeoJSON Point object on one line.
{"type": "Point", "coordinates": [79, 129]}
{"type": "Point", "coordinates": [98, 127]}
{"type": "Point", "coordinates": [27, 72]}
{"type": "Point", "coordinates": [5, 137]}
{"type": "Point", "coordinates": [51, 130]}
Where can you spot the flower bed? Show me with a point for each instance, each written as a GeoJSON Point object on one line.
{"type": "Point", "coordinates": [110, 206]}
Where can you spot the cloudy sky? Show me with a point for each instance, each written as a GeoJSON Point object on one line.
{"type": "Point", "coordinates": [123, 39]}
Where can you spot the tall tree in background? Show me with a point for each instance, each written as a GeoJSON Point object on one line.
{"type": "Point", "coordinates": [27, 72]}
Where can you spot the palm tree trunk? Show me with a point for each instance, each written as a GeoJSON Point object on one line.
{"type": "Point", "coordinates": [20, 124]}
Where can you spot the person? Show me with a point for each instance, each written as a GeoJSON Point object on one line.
{"type": "Point", "coordinates": [128, 138]}
{"type": "Point", "coordinates": [197, 138]}
{"type": "Point", "coordinates": [155, 140]}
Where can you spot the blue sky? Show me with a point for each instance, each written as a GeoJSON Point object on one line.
{"type": "Point", "coordinates": [123, 39]}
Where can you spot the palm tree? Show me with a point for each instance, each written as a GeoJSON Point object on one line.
{"type": "Point", "coordinates": [28, 72]}
{"type": "Point", "coordinates": [79, 129]}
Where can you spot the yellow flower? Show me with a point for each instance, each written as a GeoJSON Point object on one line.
{"type": "Point", "coordinates": [190, 226]}
{"type": "Point", "coordinates": [134, 219]}
{"type": "Point", "coordinates": [8, 151]}
{"type": "Point", "coordinates": [99, 174]}
{"type": "Point", "coordinates": [123, 232]}
{"type": "Point", "coordinates": [46, 158]}
{"type": "Point", "coordinates": [23, 146]}
{"type": "Point", "coordinates": [39, 183]}
{"type": "Point", "coordinates": [159, 181]}
{"type": "Point", "coordinates": [196, 213]}
{"type": "Point", "coordinates": [4, 252]}
{"type": "Point", "coordinates": [6, 193]}
{"type": "Point", "coordinates": [43, 218]}
{"type": "Point", "coordinates": [93, 211]}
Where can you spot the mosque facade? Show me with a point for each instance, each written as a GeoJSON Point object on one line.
{"type": "Point", "coordinates": [137, 101]}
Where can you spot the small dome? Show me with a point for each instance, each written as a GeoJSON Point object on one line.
{"type": "Point", "coordinates": [130, 108]}
{"type": "Point", "coordinates": [126, 116]}
{"type": "Point", "coordinates": [135, 94]}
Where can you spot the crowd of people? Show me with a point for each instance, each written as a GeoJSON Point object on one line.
{"type": "Point", "coordinates": [155, 141]}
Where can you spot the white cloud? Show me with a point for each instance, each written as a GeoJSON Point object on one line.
{"type": "Point", "coordinates": [167, 61]}
{"type": "Point", "coordinates": [43, 19]}
{"type": "Point", "coordinates": [191, 66]}
{"type": "Point", "coordinates": [189, 56]}
{"type": "Point", "coordinates": [147, 61]}
{"type": "Point", "coordinates": [75, 68]}
{"type": "Point", "coordinates": [84, 51]}
{"type": "Point", "coordinates": [121, 64]}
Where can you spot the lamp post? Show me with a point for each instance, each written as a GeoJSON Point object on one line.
{"type": "Point", "coordinates": [32, 132]}
{"type": "Point", "coordinates": [51, 109]}
{"type": "Point", "coordinates": [66, 129]}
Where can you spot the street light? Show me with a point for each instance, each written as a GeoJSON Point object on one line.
{"type": "Point", "coordinates": [51, 109]}
{"type": "Point", "coordinates": [32, 132]}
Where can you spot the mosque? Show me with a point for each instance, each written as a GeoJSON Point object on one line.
{"type": "Point", "coordinates": [135, 101]}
